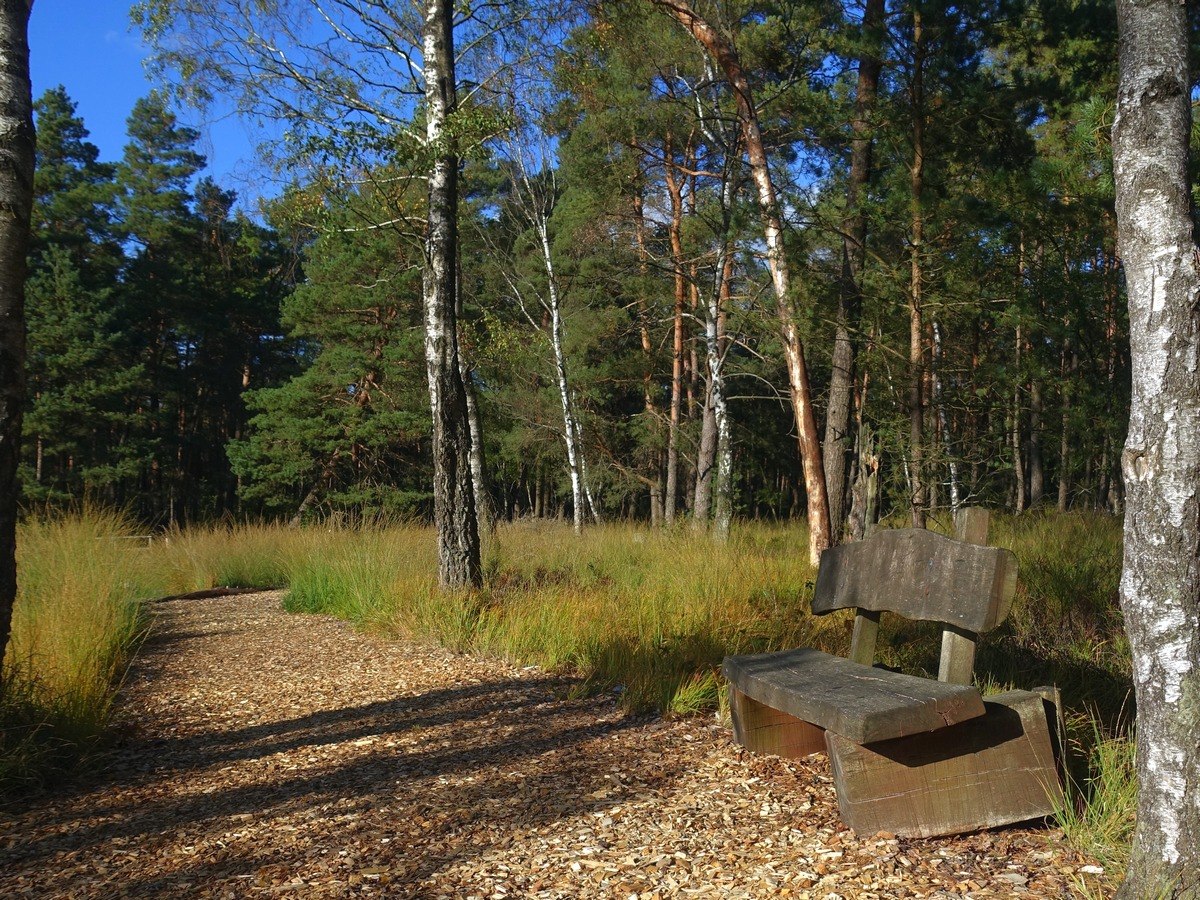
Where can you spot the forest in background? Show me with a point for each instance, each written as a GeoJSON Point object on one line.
{"type": "Point", "coordinates": [951, 227]}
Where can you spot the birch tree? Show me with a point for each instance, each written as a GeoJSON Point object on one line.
{"type": "Point", "coordinates": [345, 80]}
{"type": "Point", "coordinates": [533, 197]}
{"type": "Point", "coordinates": [1160, 580]}
{"type": "Point", "coordinates": [16, 202]}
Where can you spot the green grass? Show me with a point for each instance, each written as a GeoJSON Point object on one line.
{"type": "Point", "coordinates": [75, 622]}
{"type": "Point", "coordinates": [646, 614]}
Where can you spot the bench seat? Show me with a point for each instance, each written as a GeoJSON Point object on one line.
{"type": "Point", "coordinates": [858, 702]}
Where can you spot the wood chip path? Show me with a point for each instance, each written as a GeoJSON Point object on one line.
{"type": "Point", "coordinates": [266, 754]}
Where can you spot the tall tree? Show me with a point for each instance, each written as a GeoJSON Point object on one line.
{"type": "Point", "coordinates": [347, 82]}
{"type": "Point", "coordinates": [1160, 582]}
{"type": "Point", "coordinates": [454, 513]}
{"type": "Point", "coordinates": [726, 57]}
{"type": "Point", "coordinates": [854, 253]}
{"type": "Point", "coordinates": [17, 148]}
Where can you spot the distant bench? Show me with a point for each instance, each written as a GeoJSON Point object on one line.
{"type": "Point", "coordinates": [910, 755]}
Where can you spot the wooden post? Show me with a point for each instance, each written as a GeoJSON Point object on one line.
{"type": "Point", "coordinates": [957, 664]}
{"type": "Point", "coordinates": [862, 639]}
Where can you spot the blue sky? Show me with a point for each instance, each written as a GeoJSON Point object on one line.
{"type": "Point", "coordinates": [88, 46]}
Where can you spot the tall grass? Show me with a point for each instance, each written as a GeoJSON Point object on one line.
{"type": "Point", "coordinates": [651, 614]}
{"type": "Point", "coordinates": [646, 614]}
{"type": "Point", "coordinates": [75, 621]}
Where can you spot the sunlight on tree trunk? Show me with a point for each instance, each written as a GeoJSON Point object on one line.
{"type": "Point", "coordinates": [1160, 580]}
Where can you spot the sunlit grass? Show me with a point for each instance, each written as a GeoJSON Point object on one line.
{"type": "Point", "coordinates": [647, 615]}
{"type": "Point", "coordinates": [75, 621]}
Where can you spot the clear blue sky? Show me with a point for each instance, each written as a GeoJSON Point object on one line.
{"type": "Point", "coordinates": [88, 46]}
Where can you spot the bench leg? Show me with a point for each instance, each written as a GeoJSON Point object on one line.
{"type": "Point", "coordinates": [760, 728]}
{"type": "Point", "coordinates": [992, 770]}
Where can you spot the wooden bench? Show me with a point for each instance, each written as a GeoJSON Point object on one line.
{"type": "Point", "coordinates": [910, 755]}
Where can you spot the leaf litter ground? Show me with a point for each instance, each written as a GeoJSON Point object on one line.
{"type": "Point", "coordinates": [265, 754]}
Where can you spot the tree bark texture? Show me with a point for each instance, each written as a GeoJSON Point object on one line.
{"type": "Point", "coordinates": [572, 433]}
{"type": "Point", "coordinates": [675, 232]}
{"type": "Point", "coordinates": [453, 490]}
{"type": "Point", "coordinates": [916, 331]}
{"type": "Point", "coordinates": [1064, 440]}
{"type": "Point", "coordinates": [726, 57]}
{"type": "Point", "coordinates": [1160, 579]}
{"type": "Point", "coordinates": [854, 248]}
{"type": "Point", "coordinates": [16, 201]}
{"type": "Point", "coordinates": [650, 411]}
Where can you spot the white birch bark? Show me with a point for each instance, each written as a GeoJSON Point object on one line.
{"type": "Point", "coordinates": [572, 432]}
{"type": "Point", "coordinates": [535, 208]}
{"type": "Point", "coordinates": [453, 488]}
{"type": "Point", "coordinates": [1160, 579]}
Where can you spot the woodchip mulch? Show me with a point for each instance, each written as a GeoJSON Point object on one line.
{"type": "Point", "coordinates": [267, 754]}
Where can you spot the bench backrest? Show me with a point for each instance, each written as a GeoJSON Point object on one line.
{"type": "Point", "coordinates": [919, 574]}
{"type": "Point", "coordinates": [963, 584]}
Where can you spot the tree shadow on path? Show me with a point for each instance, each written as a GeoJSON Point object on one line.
{"type": "Point", "coordinates": [401, 788]}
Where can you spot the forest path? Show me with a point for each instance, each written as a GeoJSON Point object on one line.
{"type": "Point", "coordinates": [266, 754]}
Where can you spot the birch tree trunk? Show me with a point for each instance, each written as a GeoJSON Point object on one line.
{"type": "Point", "coordinates": [793, 347]}
{"type": "Point", "coordinates": [723, 490]}
{"type": "Point", "coordinates": [675, 232]}
{"type": "Point", "coordinates": [654, 483]}
{"type": "Point", "coordinates": [715, 451]}
{"type": "Point", "coordinates": [453, 491]}
{"type": "Point", "coordinates": [571, 431]}
{"type": "Point", "coordinates": [854, 248]}
{"type": "Point", "coordinates": [485, 513]}
{"type": "Point", "coordinates": [1160, 579]}
{"type": "Point", "coordinates": [16, 201]}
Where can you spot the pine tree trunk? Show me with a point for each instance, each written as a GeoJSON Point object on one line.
{"type": "Point", "coordinates": [1064, 440]}
{"type": "Point", "coordinates": [793, 347]}
{"type": "Point", "coordinates": [16, 200]}
{"type": "Point", "coordinates": [1160, 580]}
{"type": "Point", "coordinates": [1015, 439]}
{"type": "Point", "coordinates": [854, 245]}
{"type": "Point", "coordinates": [453, 490]}
{"type": "Point", "coordinates": [1037, 476]}
{"type": "Point", "coordinates": [916, 333]}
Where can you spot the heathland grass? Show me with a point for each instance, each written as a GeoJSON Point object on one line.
{"type": "Point", "coordinates": [647, 614]}
{"type": "Point", "coordinates": [75, 621]}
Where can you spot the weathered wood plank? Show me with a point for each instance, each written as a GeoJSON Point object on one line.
{"type": "Point", "coordinates": [957, 663]}
{"type": "Point", "coordinates": [864, 636]}
{"type": "Point", "coordinates": [920, 575]}
{"type": "Point", "coordinates": [861, 703]}
{"type": "Point", "coordinates": [762, 729]}
{"type": "Point", "coordinates": [994, 770]}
